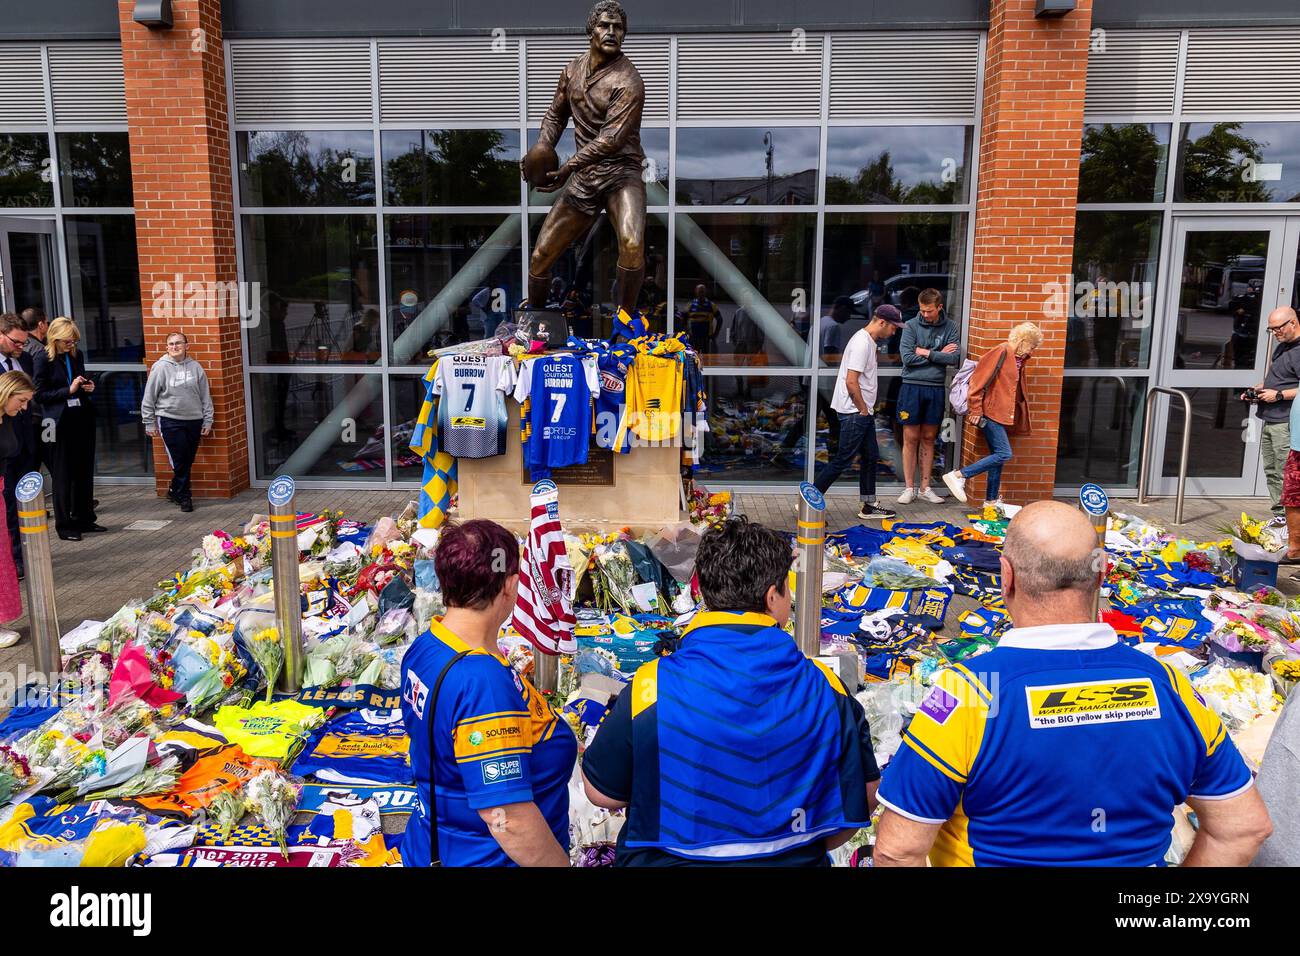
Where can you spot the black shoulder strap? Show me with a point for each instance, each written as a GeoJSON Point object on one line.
{"type": "Point", "coordinates": [432, 710]}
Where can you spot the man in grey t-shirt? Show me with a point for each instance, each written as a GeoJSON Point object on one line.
{"type": "Point", "coordinates": [1276, 394]}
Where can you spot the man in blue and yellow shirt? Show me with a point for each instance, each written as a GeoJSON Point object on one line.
{"type": "Point", "coordinates": [1068, 747]}
{"type": "Point", "coordinates": [735, 749]}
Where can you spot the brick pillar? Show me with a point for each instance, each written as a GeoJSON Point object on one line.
{"type": "Point", "coordinates": [184, 219]}
{"type": "Point", "coordinates": [1031, 128]}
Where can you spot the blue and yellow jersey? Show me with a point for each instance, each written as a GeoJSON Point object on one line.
{"type": "Point", "coordinates": [1060, 747]}
{"type": "Point", "coordinates": [496, 741]}
{"type": "Point", "coordinates": [358, 746]}
{"type": "Point", "coordinates": [654, 397]}
{"type": "Point", "coordinates": [712, 771]}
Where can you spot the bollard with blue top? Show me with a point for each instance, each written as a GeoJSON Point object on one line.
{"type": "Point", "coordinates": [33, 529]}
{"type": "Point", "coordinates": [286, 584]}
{"type": "Point", "coordinates": [1096, 504]}
{"type": "Point", "coordinates": [810, 541]}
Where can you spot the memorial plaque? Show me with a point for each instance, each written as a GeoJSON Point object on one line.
{"type": "Point", "coordinates": [598, 470]}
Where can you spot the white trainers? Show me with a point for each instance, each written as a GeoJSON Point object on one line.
{"type": "Point", "coordinates": [956, 483]}
{"type": "Point", "coordinates": [1277, 521]}
{"type": "Point", "coordinates": [9, 638]}
{"type": "Point", "coordinates": [907, 497]}
{"type": "Point", "coordinates": [927, 494]}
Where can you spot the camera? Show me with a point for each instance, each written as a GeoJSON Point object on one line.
{"type": "Point", "coordinates": [1250, 395]}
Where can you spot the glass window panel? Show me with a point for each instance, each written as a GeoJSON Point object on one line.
{"type": "Point", "coordinates": [1100, 438]}
{"type": "Point", "coordinates": [1124, 162]}
{"type": "Point", "coordinates": [23, 170]}
{"type": "Point", "coordinates": [897, 164]}
{"type": "Point", "coordinates": [872, 258]}
{"type": "Point", "coordinates": [654, 143]}
{"type": "Point", "coordinates": [104, 276]}
{"type": "Point", "coordinates": [1219, 300]}
{"type": "Point", "coordinates": [756, 427]}
{"type": "Point", "coordinates": [1112, 301]}
{"type": "Point", "coordinates": [583, 287]}
{"type": "Point", "coordinates": [121, 446]}
{"type": "Point", "coordinates": [406, 398]}
{"type": "Point", "coordinates": [306, 168]}
{"type": "Point", "coordinates": [1218, 423]}
{"type": "Point", "coordinates": [751, 166]}
{"type": "Point", "coordinates": [319, 425]}
{"type": "Point", "coordinates": [451, 278]}
{"type": "Point", "coordinates": [318, 289]}
{"type": "Point", "coordinates": [95, 169]}
{"type": "Point", "coordinates": [451, 167]}
{"type": "Point", "coordinates": [759, 262]}
{"type": "Point", "coordinates": [889, 436]}
{"type": "Point", "coordinates": [1239, 162]}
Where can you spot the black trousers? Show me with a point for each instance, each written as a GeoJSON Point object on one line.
{"type": "Point", "coordinates": [181, 438]}
{"type": "Point", "coordinates": [72, 465]}
{"type": "Point", "coordinates": [14, 469]}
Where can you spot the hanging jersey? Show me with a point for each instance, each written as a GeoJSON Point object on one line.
{"type": "Point", "coordinates": [543, 611]}
{"type": "Point", "coordinates": [611, 404]}
{"type": "Point", "coordinates": [472, 408]}
{"type": "Point", "coordinates": [1016, 770]}
{"type": "Point", "coordinates": [556, 392]}
{"type": "Point", "coordinates": [359, 746]}
{"type": "Point", "coordinates": [654, 398]}
{"type": "Point", "coordinates": [495, 741]}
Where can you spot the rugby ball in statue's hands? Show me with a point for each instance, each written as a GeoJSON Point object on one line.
{"type": "Point", "coordinates": [539, 162]}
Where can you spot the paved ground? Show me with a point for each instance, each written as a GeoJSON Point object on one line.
{"type": "Point", "coordinates": [98, 575]}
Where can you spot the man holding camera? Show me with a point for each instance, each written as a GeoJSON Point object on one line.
{"type": "Point", "coordinates": [1275, 395]}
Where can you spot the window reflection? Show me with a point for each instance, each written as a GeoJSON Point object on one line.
{"type": "Point", "coordinates": [307, 168]}
{"type": "Point", "coordinates": [95, 169]}
{"type": "Point", "coordinates": [318, 289]}
{"type": "Point", "coordinates": [897, 164]}
{"type": "Point", "coordinates": [873, 258]}
{"type": "Point", "coordinates": [1100, 437]}
{"type": "Point", "coordinates": [451, 167]}
{"type": "Point", "coordinates": [294, 431]}
{"type": "Point", "coordinates": [1123, 162]}
{"type": "Point", "coordinates": [450, 279]}
{"type": "Point", "coordinates": [756, 425]}
{"type": "Point", "coordinates": [407, 397]}
{"type": "Point", "coordinates": [1112, 301]}
{"type": "Point", "coordinates": [752, 166]}
{"type": "Point", "coordinates": [121, 446]}
{"type": "Point", "coordinates": [1239, 162]}
{"type": "Point", "coordinates": [742, 286]}
{"type": "Point", "coordinates": [23, 166]}
{"type": "Point", "coordinates": [1217, 449]}
{"type": "Point", "coordinates": [104, 277]}
{"type": "Point", "coordinates": [1220, 299]}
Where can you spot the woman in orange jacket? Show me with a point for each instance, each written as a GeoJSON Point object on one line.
{"type": "Point", "coordinates": [998, 407]}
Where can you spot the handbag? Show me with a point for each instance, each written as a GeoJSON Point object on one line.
{"type": "Point", "coordinates": [434, 860]}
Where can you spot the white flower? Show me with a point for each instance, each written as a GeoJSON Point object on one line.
{"type": "Point", "coordinates": [212, 549]}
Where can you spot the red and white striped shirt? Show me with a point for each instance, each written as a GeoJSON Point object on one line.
{"type": "Point", "coordinates": [544, 612]}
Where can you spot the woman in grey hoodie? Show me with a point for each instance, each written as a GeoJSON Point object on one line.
{"type": "Point", "coordinates": [178, 403]}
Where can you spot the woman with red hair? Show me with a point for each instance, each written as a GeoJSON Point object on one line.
{"type": "Point", "coordinates": [491, 757]}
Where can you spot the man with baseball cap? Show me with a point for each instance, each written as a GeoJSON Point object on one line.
{"type": "Point", "coordinates": [854, 401]}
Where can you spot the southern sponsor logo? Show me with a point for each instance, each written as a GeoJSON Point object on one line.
{"type": "Point", "coordinates": [1092, 702]}
{"type": "Point", "coordinates": [503, 770]}
{"type": "Point", "coordinates": [939, 705]}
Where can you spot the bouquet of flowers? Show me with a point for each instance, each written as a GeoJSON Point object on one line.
{"type": "Point", "coordinates": [709, 509]}
{"type": "Point", "coordinates": [265, 648]}
{"type": "Point", "coordinates": [1255, 540]}
{"type": "Point", "coordinates": [274, 798]}
{"type": "Point", "coordinates": [227, 810]}
{"type": "Point", "coordinates": [15, 773]}
{"type": "Point", "coordinates": [614, 577]}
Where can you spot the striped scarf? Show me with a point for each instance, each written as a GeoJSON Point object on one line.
{"type": "Point", "coordinates": [543, 613]}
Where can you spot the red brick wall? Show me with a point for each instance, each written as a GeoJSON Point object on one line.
{"type": "Point", "coordinates": [1034, 76]}
{"type": "Point", "coordinates": [184, 215]}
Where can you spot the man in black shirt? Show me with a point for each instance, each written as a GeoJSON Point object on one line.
{"type": "Point", "coordinates": [1276, 394]}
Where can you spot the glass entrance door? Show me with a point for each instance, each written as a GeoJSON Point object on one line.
{"type": "Point", "coordinates": [1228, 276]}
{"type": "Point", "coordinates": [29, 275]}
